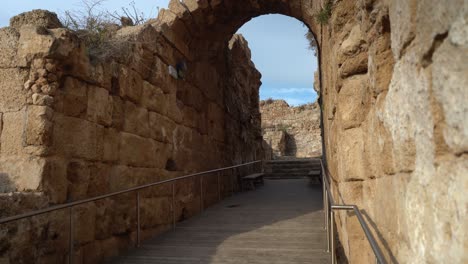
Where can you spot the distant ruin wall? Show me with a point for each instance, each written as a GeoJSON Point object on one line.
{"type": "Point", "coordinates": [73, 128]}
{"type": "Point", "coordinates": [291, 131]}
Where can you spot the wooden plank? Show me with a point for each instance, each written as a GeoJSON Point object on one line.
{"type": "Point", "coordinates": [280, 223]}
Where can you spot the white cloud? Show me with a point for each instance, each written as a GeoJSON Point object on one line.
{"type": "Point", "coordinates": [295, 101]}
{"type": "Point", "coordinates": [295, 90]}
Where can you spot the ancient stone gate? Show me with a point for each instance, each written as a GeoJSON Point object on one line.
{"type": "Point", "coordinates": [393, 100]}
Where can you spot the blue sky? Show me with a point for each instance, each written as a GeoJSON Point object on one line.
{"type": "Point", "coordinates": [279, 48]}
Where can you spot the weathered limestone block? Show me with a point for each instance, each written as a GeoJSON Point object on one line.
{"type": "Point", "coordinates": [38, 125]}
{"type": "Point", "coordinates": [78, 138]}
{"type": "Point", "coordinates": [433, 20]}
{"type": "Point", "coordinates": [142, 152]}
{"type": "Point", "coordinates": [450, 82]}
{"type": "Point", "coordinates": [111, 145]}
{"type": "Point", "coordinates": [73, 101]}
{"type": "Point", "coordinates": [153, 98]}
{"type": "Point", "coordinates": [190, 117]}
{"type": "Point", "coordinates": [136, 120]}
{"type": "Point", "coordinates": [351, 151]}
{"type": "Point", "coordinates": [381, 64]}
{"type": "Point", "coordinates": [84, 219]}
{"type": "Point", "coordinates": [141, 40]}
{"type": "Point", "coordinates": [175, 31]}
{"type": "Point", "coordinates": [12, 89]}
{"type": "Point", "coordinates": [130, 84]}
{"type": "Point", "coordinates": [354, 65]}
{"type": "Point", "coordinates": [407, 115]}
{"type": "Point", "coordinates": [353, 43]}
{"type": "Point", "coordinates": [174, 111]}
{"type": "Point", "coordinates": [78, 174]}
{"type": "Point", "coordinates": [353, 101]}
{"type": "Point", "coordinates": [402, 17]}
{"type": "Point", "coordinates": [21, 173]}
{"type": "Point", "coordinates": [8, 47]}
{"type": "Point", "coordinates": [118, 112]}
{"type": "Point", "coordinates": [55, 181]}
{"type": "Point", "coordinates": [99, 178]}
{"type": "Point", "coordinates": [37, 17]}
{"type": "Point", "coordinates": [99, 108]}
{"type": "Point", "coordinates": [11, 138]}
{"type": "Point", "coordinates": [161, 127]}
{"type": "Point", "coordinates": [379, 146]}
{"type": "Point", "coordinates": [33, 42]}
{"type": "Point", "coordinates": [42, 99]}
{"type": "Point", "coordinates": [206, 77]}
{"type": "Point", "coordinates": [160, 76]}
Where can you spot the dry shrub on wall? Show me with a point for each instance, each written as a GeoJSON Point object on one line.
{"type": "Point", "coordinates": [324, 15]}
{"type": "Point", "coordinates": [97, 27]}
{"type": "Point", "coordinates": [312, 42]}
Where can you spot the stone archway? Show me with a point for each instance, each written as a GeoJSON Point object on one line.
{"type": "Point", "coordinates": [393, 98]}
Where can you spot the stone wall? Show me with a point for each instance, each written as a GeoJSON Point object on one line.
{"type": "Point", "coordinates": [291, 131]}
{"type": "Point", "coordinates": [73, 128]}
{"type": "Point", "coordinates": [394, 97]}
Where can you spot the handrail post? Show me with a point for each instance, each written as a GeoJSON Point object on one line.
{"type": "Point", "coordinates": [219, 186]}
{"type": "Point", "coordinates": [70, 241]}
{"type": "Point", "coordinates": [327, 221]}
{"type": "Point", "coordinates": [201, 193]}
{"type": "Point", "coordinates": [173, 206]}
{"type": "Point", "coordinates": [332, 234]}
{"type": "Point", "coordinates": [232, 182]}
{"type": "Point", "coordinates": [138, 218]}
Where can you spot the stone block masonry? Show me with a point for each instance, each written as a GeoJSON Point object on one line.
{"type": "Point", "coordinates": [73, 128]}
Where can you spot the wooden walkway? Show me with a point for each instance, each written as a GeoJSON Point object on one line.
{"type": "Point", "coordinates": [281, 222]}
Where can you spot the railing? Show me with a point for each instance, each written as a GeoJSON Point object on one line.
{"type": "Point", "coordinates": [136, 189]}
{"type": "Point", "coordinates": [329, 207]}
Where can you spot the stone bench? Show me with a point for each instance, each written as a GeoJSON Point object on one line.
{"type": "Point", "coordinates": [250, 181]}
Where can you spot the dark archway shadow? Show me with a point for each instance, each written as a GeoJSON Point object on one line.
{"type": "Point", "coordinates": [291, 145]}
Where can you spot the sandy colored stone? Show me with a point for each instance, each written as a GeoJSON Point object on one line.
{"type": "Point", "coordinates": [11, 138]}
{"type": "Point", "coordinates": [38, 125]}
{"type": "Point", "coordinates": [55, 180]}
{"type": "Point", "coordinates": [11, 91]}
{"type": "Point", "coordinates": [351, 151]}
{"type": "Point", "coordinates": [130, 84]}
{"type": "Point", "coordinates": [8, 47]}
{"type": "Point", "coordinates": [153, 98]}
{"type": "Point", "coordinates": [37, 17]}
{"type": "Point", "coordinates": [111, 145]}
{"type": "Point", "coordinates": [161, 128]}
{"type": "Point", "coordinates": [87, 144]}
{"type": "Point", "coordinates": [353, 101]}
{"type": "Point", "coordinates": [99, 106]}
{"type": "Point", "coordinates": [136, 119]}
{"type": "Point", "coordinates": [21, 174]}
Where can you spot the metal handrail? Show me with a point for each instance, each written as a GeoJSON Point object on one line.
{"type": "Point", "coordinates": [329, 203]}
{"type": "Point", "coordinates": [70, 205]}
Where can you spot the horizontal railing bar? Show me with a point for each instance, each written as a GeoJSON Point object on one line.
{"type": "Point", "coordinates": [72, 204]}
{"type": "Point", "coordinates": [370, 238]}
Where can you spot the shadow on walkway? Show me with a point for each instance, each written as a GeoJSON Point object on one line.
{"type": "Point", "coordinates": [281, 222]}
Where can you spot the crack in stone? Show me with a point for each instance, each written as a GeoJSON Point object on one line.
{"type": "Point", "coordinates": [438, 40]}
